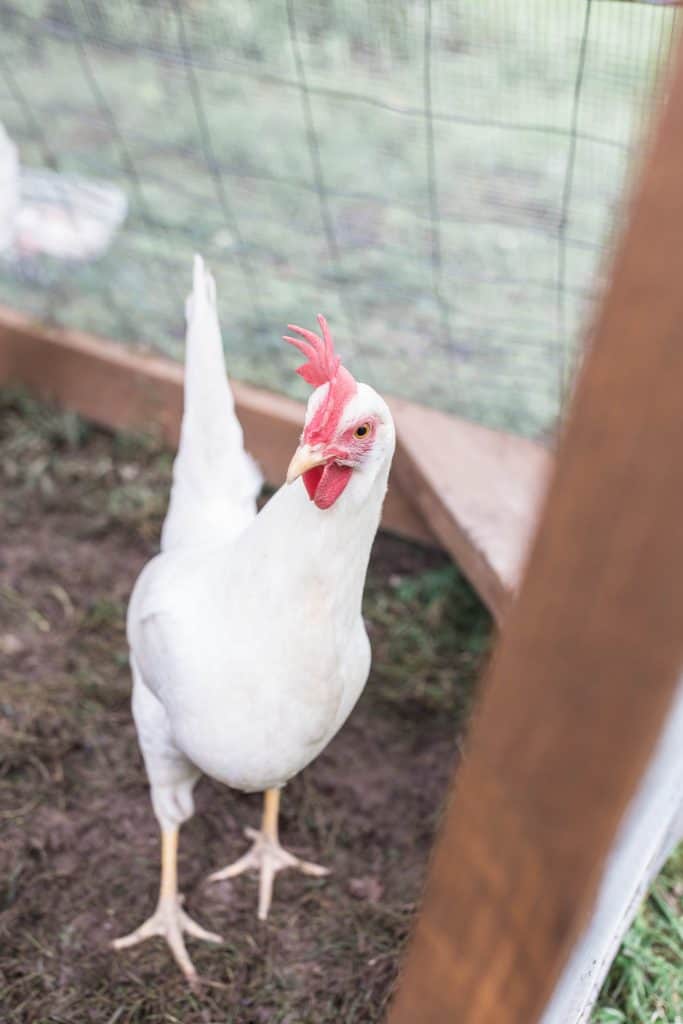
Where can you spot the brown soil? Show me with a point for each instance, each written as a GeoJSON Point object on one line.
{"type": "Point", "coordinates": [80, 512]}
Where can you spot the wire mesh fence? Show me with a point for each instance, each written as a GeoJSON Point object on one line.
{"type": "Point", "coordinates": [440, 178]}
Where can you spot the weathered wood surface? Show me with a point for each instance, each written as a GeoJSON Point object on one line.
{"type": "Point", "coordinates": [472, 490]}
{"type": "Point", "coordinates": [587, 665]}
{"type": "Point", "coordinates": [480, 491]}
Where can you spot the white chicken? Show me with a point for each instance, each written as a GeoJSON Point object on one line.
{"type": "Point", "coordinates": [247, 644]}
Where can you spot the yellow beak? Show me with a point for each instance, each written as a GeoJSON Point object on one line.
{"type": "Point", "coordinates": [305, 458]}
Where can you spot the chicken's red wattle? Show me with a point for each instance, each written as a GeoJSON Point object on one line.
{"type": "Point", "coordinates": [326, 483]}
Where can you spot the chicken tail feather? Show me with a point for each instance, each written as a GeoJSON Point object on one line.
{"type": "Point", "coordinates": [215, 481]}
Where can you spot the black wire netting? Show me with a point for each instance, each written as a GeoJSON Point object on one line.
{"type": "Point", "coordinates": [441, 179]}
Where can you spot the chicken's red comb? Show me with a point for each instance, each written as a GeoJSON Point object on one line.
{"type": "Point", "coordinates": [323, 362]}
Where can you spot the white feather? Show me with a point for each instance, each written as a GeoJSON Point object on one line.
{"type": "Point", "coordinates": [215, 482]}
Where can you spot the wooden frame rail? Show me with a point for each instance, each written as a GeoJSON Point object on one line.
{"type": "Point", "coordinates": [124, 388]}
{"type": "Point", "coordinates": [589, 660]}
{"type": "Point", "coordinates": [473, 491]}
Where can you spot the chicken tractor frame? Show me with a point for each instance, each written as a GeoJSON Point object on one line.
{"type": "Point", "coordinates": [589, 653]}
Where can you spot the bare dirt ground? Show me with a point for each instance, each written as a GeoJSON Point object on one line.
{"type": "Point", "coordinates": [80, 512]}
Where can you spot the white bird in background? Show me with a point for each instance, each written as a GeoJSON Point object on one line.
{"type": "Point", "coordinates": [9, 189]}
{"type": "Point", "coordinates": [247, 644]}
{"type": "Point", "coordinates": [46, 213]}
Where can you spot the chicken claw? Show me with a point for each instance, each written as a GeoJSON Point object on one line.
{"type": "Point", "coordinates": [267, 856]}
{"type": "Point", "coordinates": [169, 921]}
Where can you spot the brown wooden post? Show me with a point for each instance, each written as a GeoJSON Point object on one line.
{"type": "Point", "coordinates": [589, 658]}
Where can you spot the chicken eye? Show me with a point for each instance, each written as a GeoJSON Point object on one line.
{"type": "Point", "coordinates": [362, 430]}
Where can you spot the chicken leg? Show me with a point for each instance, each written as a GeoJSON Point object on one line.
{"type": "Point", "coordinates": [267, 856]}
{"type": "Point", "coordinates": [169, 920]}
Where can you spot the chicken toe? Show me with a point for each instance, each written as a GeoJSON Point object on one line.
{"type": "Point", "coordinates": [267, 856]}
{"type": "Point", "coordinates": [169, 921]}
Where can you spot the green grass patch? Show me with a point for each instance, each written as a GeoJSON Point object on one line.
{"type": "Point", "coordinates": [645, 983]}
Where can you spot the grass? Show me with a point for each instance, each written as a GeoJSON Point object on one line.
{"type": "Point", "coordinates": [445, 629]}
{"type": "Point", "coordinates": [447, 294]}
{"type": "Point", "coordinates": [80, 512]}
{"type": "Point", "coordinates": [645, 983]}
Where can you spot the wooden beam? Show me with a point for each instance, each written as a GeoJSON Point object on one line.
{"type": "Point", "coordinates": [587, 665]}
{"type": "Point", "coordinates": [480, 491]}
{"type": "Point", "coordinates": [123, 388]}
{"type": "Point", "coordinates": [474, 491]}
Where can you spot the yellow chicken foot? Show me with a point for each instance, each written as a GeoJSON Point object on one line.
{"type": "Point", "coordinates": [267, 856]}
{"type": "Point", "coordinates": [169, 920]}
